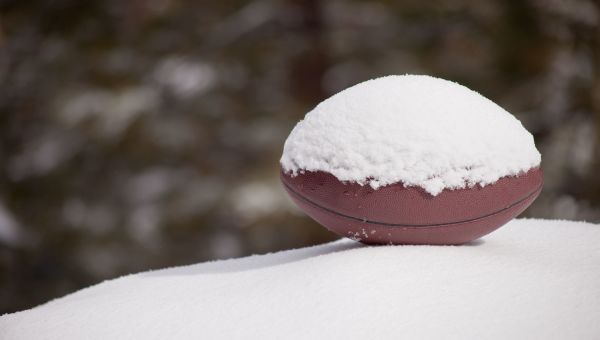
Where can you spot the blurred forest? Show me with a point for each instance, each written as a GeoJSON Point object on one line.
{"type": "Point", "coordinates": [139, 134]}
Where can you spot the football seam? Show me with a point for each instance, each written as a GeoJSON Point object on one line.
{"type": "Point", "coordinates": [534, 192]}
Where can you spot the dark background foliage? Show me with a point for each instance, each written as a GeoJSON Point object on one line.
{"type": "Point", "coordinates": [138, 134]}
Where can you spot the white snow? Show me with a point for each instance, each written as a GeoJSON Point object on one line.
{"type": "Point", "coordinates": [418, 130]}
{"type": "Point", "coordinates": [532, 279]}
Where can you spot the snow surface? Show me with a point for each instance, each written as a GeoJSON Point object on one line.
{"type": "Point", "coordinates": [418, 130]}
{"type": "Point", "coordinates": [532, 279]}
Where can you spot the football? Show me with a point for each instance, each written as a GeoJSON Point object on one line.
{"type": "Point", "coordinates": [396, 214]}
{"type": "Point", "coordinates": [411, 159]}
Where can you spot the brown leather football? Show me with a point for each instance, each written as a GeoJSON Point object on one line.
{"type": "Point", "coordinates": [396, 214]}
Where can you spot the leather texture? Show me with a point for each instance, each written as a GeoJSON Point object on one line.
{"type": "Point", "coordinates": [409, 215]}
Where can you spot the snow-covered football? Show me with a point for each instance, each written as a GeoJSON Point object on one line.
{"type": "Point", "coordinates": [411, 160]}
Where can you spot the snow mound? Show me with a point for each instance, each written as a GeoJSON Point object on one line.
{"type": "Point", "coordinates": [532, 279]}
{"type": "Point", "coordinates": [418, 130]}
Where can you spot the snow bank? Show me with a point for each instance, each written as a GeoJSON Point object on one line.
{"type": "Point", "coordinates": [531, 279]}
{"type": "Point", "coordinates": [418, 130]}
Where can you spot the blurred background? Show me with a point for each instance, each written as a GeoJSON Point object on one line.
{"type": "Point", "coordinates": [140, 134]}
